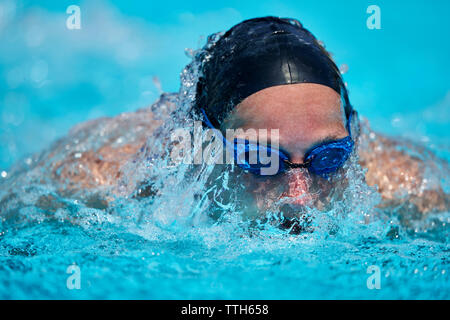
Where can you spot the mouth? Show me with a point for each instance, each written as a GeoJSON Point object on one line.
{"type": "Point", "coordinates": [295, 219]}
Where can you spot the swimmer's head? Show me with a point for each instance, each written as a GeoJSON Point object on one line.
{"type": "Point", "coordinates": [271, 73]}
{"type": "Point", "coordinates": [261, 53]}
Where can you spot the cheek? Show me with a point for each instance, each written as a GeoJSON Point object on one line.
{"type": "Point", "coordinates": [264, 191]}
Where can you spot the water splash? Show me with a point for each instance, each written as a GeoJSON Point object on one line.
{"type": "Point", "coordinates": [187, 231]}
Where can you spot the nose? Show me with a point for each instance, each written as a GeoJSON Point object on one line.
{"type": "Point", "coordinates": [298, 183]}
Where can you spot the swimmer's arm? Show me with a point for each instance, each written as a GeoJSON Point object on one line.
{"type": "Point", "coordinates": [401, 177]}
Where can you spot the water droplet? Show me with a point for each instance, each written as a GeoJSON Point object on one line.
{"type": "Point", "coordinates": [395, 122]}
{"type": "Point", "coordinates": [189, 52]}
{"type": "Point", "coordinates": [4, 174]}
{"type": "Point", "coordinates": [343, 68]}
{"type": "Point", "coordinates": [39, 71]}
{"type": "Point", "coordinates": [157, 84]}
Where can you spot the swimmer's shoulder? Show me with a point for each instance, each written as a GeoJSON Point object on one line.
{"type": "Point", "coordinates": [406, 174]}
{"type": "Point", "coordinates": [92, 153]}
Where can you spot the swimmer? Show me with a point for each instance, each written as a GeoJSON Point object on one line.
{"type": "Point", "coordinates": [272, 73]}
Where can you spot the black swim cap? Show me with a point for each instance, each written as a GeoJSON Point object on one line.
{"type": "Point", "coordinates": [261, 53]}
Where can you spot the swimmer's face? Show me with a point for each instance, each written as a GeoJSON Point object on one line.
{"type": "Point", "coordinates": [305, 115]}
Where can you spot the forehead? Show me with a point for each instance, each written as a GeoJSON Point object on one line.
{"type": "Point", "coordinates": [288, 107]}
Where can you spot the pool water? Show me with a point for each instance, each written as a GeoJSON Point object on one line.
{"type": "Point", "coordinates": [189, 242]}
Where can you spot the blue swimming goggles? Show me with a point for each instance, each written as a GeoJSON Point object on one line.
{"type": "Point", "coordinates": [322, 159]}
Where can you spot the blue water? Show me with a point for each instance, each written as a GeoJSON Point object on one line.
{"type": "Point", "coordinates": [168, 247]}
